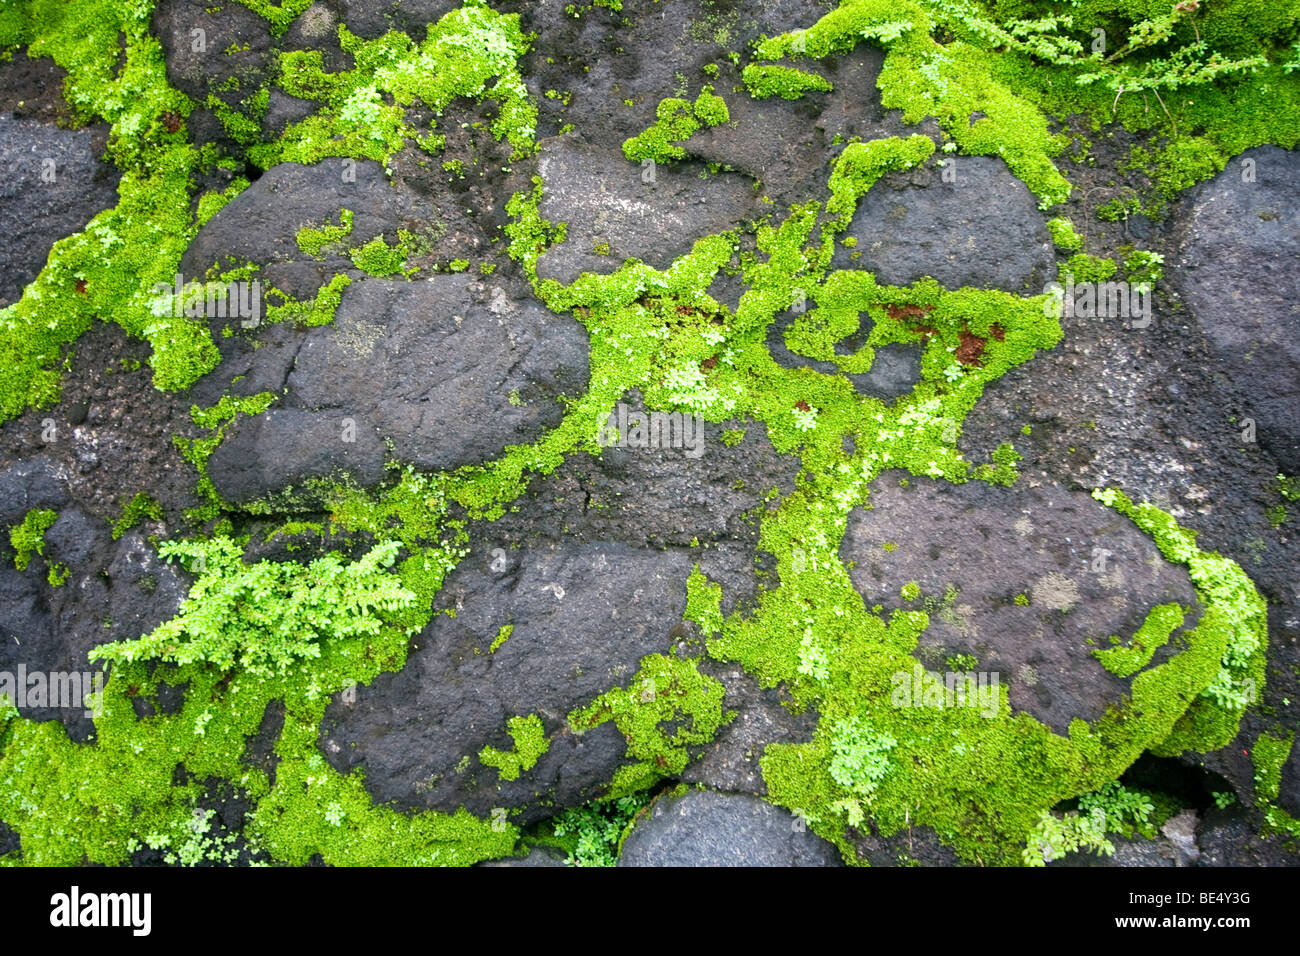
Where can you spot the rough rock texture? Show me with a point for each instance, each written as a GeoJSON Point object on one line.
{"type": "Point", "coordinates": [606, 201]}
{"type": "Point", "coordinates": [981, 229]}
{"type": "Point", "coordinates": [1088, 573]}
{"type": "Point", "coordinates": [449, 370]}
{"type": "Point", "coordinates": [1239, 273]}
{"type": "Point", "coordinates": [115, 590]}
{"type": "Point", "coordinates": [52, 183]}
{"type": "Point", "coordinates": [606, 576]}
{"type": "Point", "coordinates": [410, 730]}
{"type": "Point", "coordinates": [704, 828]}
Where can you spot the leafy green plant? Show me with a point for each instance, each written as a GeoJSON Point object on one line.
{"type": "Point", "coordinates": [1112, 809]}
{"type": "Point", "coordinates": [28, 536]}
{"type": "Point", "coordinates": [264, 616]}
{"type": "Point", "coordinates": [860, 756]}
{"type": "Point", "coordinates": [593, 833]}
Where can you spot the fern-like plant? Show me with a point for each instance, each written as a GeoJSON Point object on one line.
{"type": "Point", "coordinates": [264, 616]}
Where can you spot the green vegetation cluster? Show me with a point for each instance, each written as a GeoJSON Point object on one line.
{"type": "Point", "coordinates": [297, 634]}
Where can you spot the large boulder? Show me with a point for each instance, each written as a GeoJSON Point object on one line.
{"type": "Point", "coordinates": [1021, 579]}
{"type": "Point", "coordinates": [970, 224]}
{"type": "Point", "coordinates": [449, 371]}
{"type": "Point", "coordinates": [1239, 273]}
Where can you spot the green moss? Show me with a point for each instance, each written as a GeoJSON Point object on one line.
{"type": "Point", "coordinates": [530, 744]}
{"type": "Point", "coordinates": [470, 52]}
{"type": "Point", "coordinates": [1269, 754]}
{"type": "Point", "coordinates": [313, 241]}
{"type": "Point", "coordinates": [139, 508]}
{"type": "Point", "coordinates": [1086, 268]}
{"type": "Point", "coordinates": [28, 536]}
{"type": "Point", "coordinates": [664, 690]}
{"type": "Point", "coordinates": [676, 120]}
{"type": "Point", "coordinates": [767, 81]}
{"type": "Point", "coordinates": [319, 311]}
{"type": "Point", "coordinates": [380, 259]}
{"type": "Point", "coordinates": [111, 268]}
{"type": "Point", "coordinates": [1235, 623]}
{"type": "Point", "coordinates": [503, 635]}
{"type": "Point", "coordinates": [1160, 623]}
{"type": "Point", "coordinates": [1064, 234]}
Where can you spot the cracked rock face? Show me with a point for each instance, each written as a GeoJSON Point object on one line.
{"type": "Point", "coordinates": [1087, 572]}
{"type": "Point", "coordinates": [448, 371]}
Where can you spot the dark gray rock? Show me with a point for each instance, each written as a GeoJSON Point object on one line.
{"type": "Point", "coordinates": [731, 760]}
{"type": "Point", "coordinates": [448, 370]}
{"type": "Point", "coordinates": [1087, 571]}
{"type": "Point", "coordinates": [115, 590]}
{"type": "Point", "coordinates": [536, 856]}
{"type": "Point", "coordinates": [34, 483]}
{"type": "Point", "coordinates": [1239, 273]}
{"type": "Point", "coordinates": [261, 224]}
{"type": "Point", "coordinates": [282, 453]}
{"type": "Point", "coordinates": [196, 37]}
{"type": "Point", "coordinates": [584, 616]}
{"type": "Point", "coordinates": [704, 828]}
{"type": "Point", "coordinates": [603, 199]}
{"type": "Point", "coordinates": [983, 229]}
{"type": "Point", "coordinates": [1232, 838]}
{"type": "Point", "coordinates": [34, 212]}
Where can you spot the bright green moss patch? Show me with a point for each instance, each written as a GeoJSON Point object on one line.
{"type": "Point", "coordinates": [312, 241]}
{"type": "Point", "coordinates": [470, 52]}
{"type": "Point", "coordinates": [319, 311]}
{"type": "Point", "coordinates": [503, 635]}
{"type": "Point", "coordinates": [1270, 753]}
{"type": "Point", "coordinates": [676, 120]}
{"type": "Point", "coordinates": [1064, 235]}
{"type": "Point", "coordinates": [530, 744]}
{"type": "Point", "coordinates": [28, 536]}
{"type": "Point", "coordinates": [110, 269]}
{"type": "Point", "coordinates": [766, 81]}
{"type": "Point", "coordinates": [139, 508]}
{"type": "Point", "coordinates": [380, 259]}
{"type": "Point", "coordinates": [666, 690]}
{"type": "Point", "coordinates": [1154, 633]}
{"type": "Point", "coordinates": [1235, 621]}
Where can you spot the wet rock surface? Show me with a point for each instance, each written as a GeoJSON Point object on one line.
{"type": "Point", "coordinates": [52, 182]}
{"type": "Point", "coordinates": [1239, 274]}
{"type": "Point", "coordinates": [1085, 572]}
{"type": "Point", "coordinates": [705, 828]}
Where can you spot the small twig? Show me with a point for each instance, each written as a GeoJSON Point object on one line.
{"type": "Point", "coordinates": [1172, 122]}
{"type": "Point", "coordinates": [1117, 96]}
